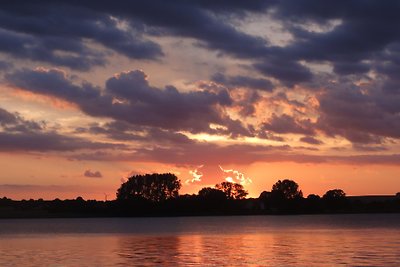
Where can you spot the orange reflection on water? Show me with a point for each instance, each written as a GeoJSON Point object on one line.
{"type": "Point", "coordinates": [373, 247]}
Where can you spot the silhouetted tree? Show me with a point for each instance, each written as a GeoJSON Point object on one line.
{"type": "Point", "coordinates": [313, 197]}
{"type": "Point", "coordinates": [232, 190]}
{"type": "Point", "coordinates": [212, 200]}
{"type": "Point", "coordinates": [285, 197]}
{"type": "Point", "coordinates": [334, 194]}
{"type": "Point", "coordinates": [212, 194]}
{"type": "Point", "coordinates": [288, 189]}
{"type": "Point", "coordinates": [154, 187]}
{"type": "Point", "coordinates": [335, 199]}
{"type": "Point", "coordinates": [265, 195]}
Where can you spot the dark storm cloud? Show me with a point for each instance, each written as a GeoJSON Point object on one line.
{"type": "Point", "coordinates": [360, 117]}
{"type": "Point", "coordinates": [52, 82]}
{"type": "Point", "coordinates": [129, 97]}
{"type": "Point", "coordinates": [235, 5]}
{"type": "Point", "coordinates": [243, 81]}
{"type": "Point", "coordinates": [28, 47]}
{"type": "Point", "coordinates": [5, 65]}
{"type": "Point", "coordinates": [195, 19]}
{"type": "Point", "coordinates": [365, 34]}
{"type": "Point", "coordinates": [365, 38]}
{"type": "Point", "coordinates": [287, 124]}
{"type": "Point", "coordinates": [40, 31]}
{"type": "Point", "coordinates": [168, 108]}
{"type": "Point", "coordinates": [344, 68]}
{"type": "Point", "coordinates": [288, 71]}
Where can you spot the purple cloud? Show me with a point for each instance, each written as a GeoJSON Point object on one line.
{"type": "Point", "coordinates": [92, 174]}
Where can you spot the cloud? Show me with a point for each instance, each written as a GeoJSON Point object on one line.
{"type": "Point", "coordinates": [355, 86]}
{"type": "Point", "coordinates": [23, 46]}
{"type": "Point", "coordinates": [196, 175]}
{"type": "Point", "coordinates": [54, 38]}
{"type": "Point", "coordinates": [200, 153]}
{"type": "Point", "coordinates": [15, 123]}
{"type": "Point", "coordinates": [167, 108]}
{"type": "Point", "coordinates": [120, 26]}
{"type": "Point", "coordinates": [92, 174]}
{"type": "Point", "coordinates": [4, 65]}
{"type": "Point", "coordinates": [125, 28]}
{"type": "Point", "coordinates": [128, 97]}
{"type": "Point", "coordinates": [288, 71]}
{"type": "Point", "coordinates": [288, 124]}
{"type": "Point", "coordinates": [123, 131]}
{"type": "Point", "coordinates": [237, 154]}
{"type": "Point", "coordinates": [369, 148]}
{"type": "Point", "coordinates": [243, 81]}
{"type": "Point", "coordinates": [235, 176]}
{"type": "Point", "coordinates": [344, 68]}
{"type": "Point", "coordinates": [18, 134]}
{"type": "Point", "coordinates": [188, 154]}
{"type": "Point", "coordinates": [361, 115]}
{"type": "Point", "coordinates": [311, 140]}
{"type": "Point", "coordinates": [362, 37]}
{"type": "Point", "coordinates": [43, 142]}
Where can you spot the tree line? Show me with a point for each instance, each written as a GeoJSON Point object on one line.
{"type": "Point", "coordinates": [158, 195]}
{"type": "Point", "coordinates": [285, 196]}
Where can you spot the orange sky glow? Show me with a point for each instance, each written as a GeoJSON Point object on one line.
{"type": "Point", "coordinates": [252, 98]}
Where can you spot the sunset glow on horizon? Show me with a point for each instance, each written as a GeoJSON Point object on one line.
{"type": "Point", "coordinates": [249, 92]}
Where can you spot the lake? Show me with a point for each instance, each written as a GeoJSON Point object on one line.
{"type": "Point", "coordinates": [306, 240]}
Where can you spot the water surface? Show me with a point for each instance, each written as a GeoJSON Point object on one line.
{"type": "Point", "coordinates": [317, 240]}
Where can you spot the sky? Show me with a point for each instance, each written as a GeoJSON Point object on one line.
{"type": "Point", "coordinates": [93, 92]}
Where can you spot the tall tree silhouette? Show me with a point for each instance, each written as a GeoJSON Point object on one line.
{"type": "Point", "coordinates": [232, 190]}
{"type": "Point", "coordinates": [154, 187]}
{"type": "Point", "coordinates": [287, 189]}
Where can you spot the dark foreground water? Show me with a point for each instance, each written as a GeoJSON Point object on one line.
{"type": "Point", "coordinates": [315, 240]}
